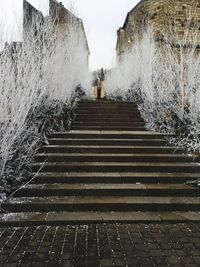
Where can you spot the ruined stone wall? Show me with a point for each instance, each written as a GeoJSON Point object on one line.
{"type": "Point", "coordinates": [32, 19]}
{"type": "Point", "coordinates": [64, 19]}
{"type": "Point", "coordinates": [61, 17]}
{"type": "Point", "coordinates": [172, 21]}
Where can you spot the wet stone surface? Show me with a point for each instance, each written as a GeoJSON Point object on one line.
{"type": "Point", "coordinates": [102, 245]}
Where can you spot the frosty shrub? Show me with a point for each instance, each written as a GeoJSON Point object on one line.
{"type": "Point", "coordinates": [165, 82]}
{"type": "Point", "coordinates": [38, 78]}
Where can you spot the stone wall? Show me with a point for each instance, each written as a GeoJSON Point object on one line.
{"type": "Point", "coordinates": [64, 19]}
{"type": "Point", "coordinates": [172, 21]}
{"type": "Point", "coordinates": [32, 18]}
{"type": "Point", "coordinates": [61, 17]}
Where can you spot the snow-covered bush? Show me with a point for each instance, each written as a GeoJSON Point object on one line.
{"type": "Point", "coordinates": [38, 78]}
{"type": "Point", "coordinates": [165, 81]}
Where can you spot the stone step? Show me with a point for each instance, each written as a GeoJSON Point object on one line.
{"type": "Point", "coordinates": [113, 116]}
{"type": "Point", "coordinates": [107, 104]}
{"type": "Point", "coordinates": [117, 113]}
{"type": "Point", "coordinates": [67, 218]}
{"type": "Point", "coordinates": [100, 121]}
{"type": "Point", "coordinates": [116, 103]}
{"type": "Point", "coordinates": [108, 120]}
{"type": "Point", "coordinates": [110, 134]}
{"type": "Point", "coordinates": [128, 128]}
{"type": "Point", "coordinates": [115, 167]}
{"type": "Point", "coordinates": [108, 107]}
{"type": "Point", "coordinates": [103, 203]}
{"type": "Point", "coordinates": [109, 142]}
{"type": "Point", "coordinates": [109, 149]}
{"type": "Point", "coordinates": [117, 177]}
{"type": "Point", "coordinates": [95, 157]}
{"type": "Point", "coordinates": [104, 123]}
{"type": "Point", "coordinates": [42, 190]}
{"type": "Point", "coordinates": [105, 100]}
{"type": "Point", "coordinates": [111, 111]}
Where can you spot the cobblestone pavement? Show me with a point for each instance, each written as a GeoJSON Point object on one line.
{"type": "Point", "coordinates": [102, 245]}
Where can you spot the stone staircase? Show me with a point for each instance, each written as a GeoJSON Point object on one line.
{"type": "Point", "coordinates": [107, 168]}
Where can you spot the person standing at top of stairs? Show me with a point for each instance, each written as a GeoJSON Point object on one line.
{"type": "Point", "coordinates": [99, 84]}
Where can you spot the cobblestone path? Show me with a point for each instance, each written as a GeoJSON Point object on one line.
{"type": "Point", "coordinates": [102, 245]}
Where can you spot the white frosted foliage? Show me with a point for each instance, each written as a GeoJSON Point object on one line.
{"type": "Point", "coordinates": [165, 81]}
{"type": "Point", "coordinates": [43, 70]}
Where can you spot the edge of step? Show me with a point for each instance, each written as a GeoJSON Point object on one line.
{"type": "Point", "coordinates": [67, 218]}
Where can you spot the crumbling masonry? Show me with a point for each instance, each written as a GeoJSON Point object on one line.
{"type": "Point", "coordinates": [172, 21]}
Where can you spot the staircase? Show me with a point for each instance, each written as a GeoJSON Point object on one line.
{"type": "Point", "coordinates": [107, 168]}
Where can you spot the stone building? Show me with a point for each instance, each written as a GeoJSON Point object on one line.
{"type": "Point", "coordinates": [172, 21]}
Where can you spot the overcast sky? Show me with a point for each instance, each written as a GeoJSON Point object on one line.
{"type": "Point", "coordinates": [101, 18]}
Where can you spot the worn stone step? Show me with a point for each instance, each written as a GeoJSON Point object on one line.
{"type": "Point", "coordinates": [111, 112]}
{"type": "Point", "coordinates": [108, 120]}
{"type": "Point", "coordinates": [109, 103]}
{"type": "Point", "coordinates": [109, 149]}
{"type": "Point", "coordinates": [103, 177]}
{"type": "Point", "coordinates": [110, 115]}
{"type": "Point", "coordinates": [115, 167]}
{"type": "Point", "coordinates": [87, 157]}
{"type": "Point", "coordinates": [107, 124]}
{"type": "Point", "coordinates": [127, 123]}
{"type": "Point", "coordinates": [108, 107]}
{"type": "Point", "coordinates": [109, 142]}
{"type": "Point", "coordinates": [67, 218]}
{"type": "Point", "coordinates": [115, 104]}
{"type": "Point", "coordinates": [104, 203]}
{"type": "Point", "coordinates": [95, 189]}
{"type": "Point", "coordinates": [117, 177]}
{"type": "Point", "coordinates": [105, 100]}
{"type": "Point", "coordinates": [128, 128]}
{"type": "Point", "coordinates": [112, 123]}
{"type": "Point", "coordinates": [110, 134]}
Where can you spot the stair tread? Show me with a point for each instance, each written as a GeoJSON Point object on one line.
{"type": "Point", "coordinates": [118, 126]}
{"type": "Point", "coordinates": [100, 186]}
{"type": "Point", "coordinates": [118, 174]}
{"type": "Point", "coordinates": [80, 217]}
{"type": "Point", "coordinates": [102, 122]}
{"type": "Point", "coordinates": [107, 106]}
{"type": "Point", "coordinates": [117, 155]}
{"type": "Point", "coordinates": [117, 146]}
{"type": "Point", "coordinates": [104, 139]}
{"type": "Point", "coordinates": [84, 200]}
{"type": "Point", "coordinates": [137, 164]}
{"type": "Point", "coordinates": [111, 114]}
{"type": "Point", "coordinates": [82, 132]}
{"type": "Point", "coordinates": [108, 119]}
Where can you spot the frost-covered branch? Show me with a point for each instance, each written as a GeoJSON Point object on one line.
{"type": "Point", "coordinates": [165, 81]}
{"type": "Point", "coordinates": [37, 77]}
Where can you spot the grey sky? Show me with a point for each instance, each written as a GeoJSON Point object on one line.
{"type": "Point", "coordinates": [101, 18]}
